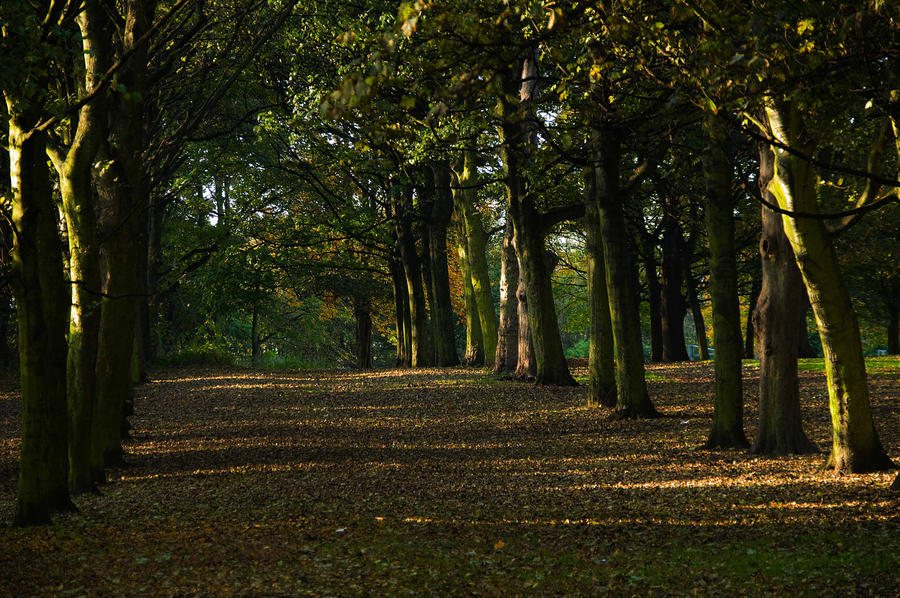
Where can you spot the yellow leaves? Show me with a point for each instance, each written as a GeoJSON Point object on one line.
{"type": "Point", "coordinates": [499, 544]}
{"type": "Point", "coordinates": [804, 25]}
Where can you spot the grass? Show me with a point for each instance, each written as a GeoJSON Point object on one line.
{"type": "Point", "coordinates": [451, 482]}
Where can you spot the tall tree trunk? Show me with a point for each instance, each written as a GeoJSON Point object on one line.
{"type": "Point", "coordinates": [601, 350]}
{"type": "Point", "coordinates": [893, 330]}
{"type": "Point", "coordinates": [474, 354]}
{"type": "Point", "coordinates": [777, 325]}
{"type": "Point", "coordinates": [442, 317]}
{"type": "Point", "coordinates": [632, 399]}
{"type": "Point", "coordinates": [123, 194]}
{"type": "Point", "coordinates": [855, 443]}
{"type": "Point", "coordinates": [74, 169]}
{"type": "Point", "coordinates": [507, 355]}
{"type": "Point", "coordinates": [402, 316]}
{"type": "Point", "coordinates": [654, 295]}
{"type": "Point", "coordinates": [728, 414]}
{"type": "Point", "coordinates": [697, 316]}
{"type": "Point", "coordinates": [534, 268]}
{"type": "Point", "coordinates": [526, 365]}
{"type": "Point", "coordinates": [673, 306]}
{"type": "Point", "coordinates": [412, 271]}
{"type": "Point", "coordinates": [476, 253]}
{"type": "Point", "coordinates": [42, 302]}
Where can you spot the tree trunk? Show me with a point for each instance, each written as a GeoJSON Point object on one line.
{"type": "Point", "coordinates": [123, 194]}
{"type": "Point", "coordinates": [654, 295]}
{"type": "Point", "coordinates": [632, 399]}
{"type": "Point", "coordinates": [728, 414]}
{"type": "Point", "coordinates": [697, 316]}
{"type": "Point", "coordinates": [673, 306]}
{"type": "Point", "coordinates": [254, 331]}
{"type": "Point", "coordinates": [442, 317]}
{"type": "Point", "coordinates": [526, 365]}
{"type": "Point", "coordinates": [601, 350]}
{"type": "Point", "coordinates": [362, 312]}
{"type": "Point", "coordinates": [750, 337]}
{"type": "Point", "coordinates": [474, 354]}
{"type": "Point", "coordinates": [777, 325]}
{"type": "Point", "coordinates": [855, 444]}
{"type": "Point", "coordinates": [893, 331]}
{"type": "Point", "coordinates": [507, 355]}
{"type": "Point", "coordinates": [42, 302]}
{"type": "Point", "coordinates": [74, 169]}
{"type": "Point", "coordinates": [401, 314]}
{"type": "Point", "coordinates": [476, 253]}
{"type": "Point", "coordinates": [412, 271]}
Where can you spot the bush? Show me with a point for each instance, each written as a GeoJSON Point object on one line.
{"type": "Point", "coordinates": [202, 354]}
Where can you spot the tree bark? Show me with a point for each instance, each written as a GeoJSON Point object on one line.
{"type": "Point", "coordinates": [123, 193]}
{"type": "Point", "coordinates": [474, 354]}
{"type": "Point", "coordinates": [654, 295]}
{"type": "Point", "coordinates": [673, 306]}
{"type": "Point", "coordinates": [79, 209]}
{"type": "Point", "coordinates": [632, 399]}
{"type": "Point", "coordinates": [442, 317]}
{"type": "Point", "coordinates": [855, 444]}
{"type": "Point", "coordinates": [412, 272]}
{"type": "Point", "coordinates": [601, 349]}
{"type": "Point", "coordinates": [776, 321]}
{"type": "Point", "coordinates": [507, 355]}
{"type": "Point", "coordinates": [529, 231]}
{"type": "Point", "coordinates": [526, 365]}
{"type": "Point", "coordinates": [401, 314]}
{"type": "Point", "coordinates": [42, 302]}
{"type": "Point", "coordinates": [893, 331]}
{"type": "Point", "coordinates": [476, 254]}
{"type": "Point", "coordinates": [728, 414]}
{"type": "Point", "coordinates": [697, 316]}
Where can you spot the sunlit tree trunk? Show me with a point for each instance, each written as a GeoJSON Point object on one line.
{"type": "Point", "coordinates": [507, 355]}
{"type": "Point", "coordinates": [401, 314]}
{"type": "Point", "coordinates": [526, 364]}
{"type": "Point", "coordinates": [728, 414]}
{"type": "Point", "coordinates": [855, 444]}
{"type": "Point", "coordinates": [601, 350]}
{"type": "Point", "coordinates": [632, 399]}
{"type": "Point", "coordinates": [79, 208]}
{"type": "Point", "coordinates": [474, 354]}
{"type": "Point", "coordinates": [777, 325]}
{"type": "Point", "coordinates": [42, 302]}
{"type": "Point", "coordinates": [476, 253]}
{"type": "Point", "coordinates": [534, 268]}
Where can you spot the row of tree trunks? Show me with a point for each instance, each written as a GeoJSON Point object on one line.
{"type": "Point", "coordinates": [401, 207]}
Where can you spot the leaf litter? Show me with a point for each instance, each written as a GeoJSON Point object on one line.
{"type": "Point", "coordinates": [449, 481]}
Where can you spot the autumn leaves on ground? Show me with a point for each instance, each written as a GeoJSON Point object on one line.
{"type": "Point", "coordinates": [453, 482]}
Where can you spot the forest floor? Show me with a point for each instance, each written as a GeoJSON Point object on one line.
{"type": "Point", "coordinates": [452, 482]}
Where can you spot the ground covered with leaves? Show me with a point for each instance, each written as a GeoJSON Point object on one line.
{"type": "Point", "coordinates": [452, 482]}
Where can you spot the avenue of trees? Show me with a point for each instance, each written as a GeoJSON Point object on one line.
{"type": "Point", "coordinates": [448, 182]}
